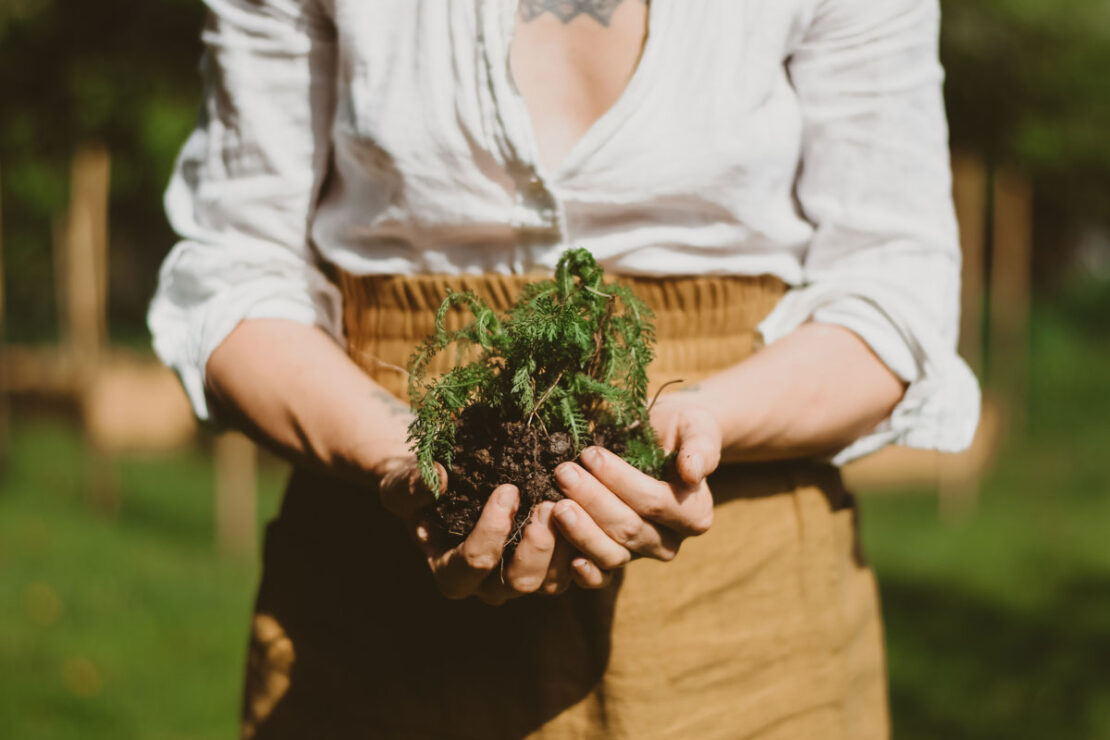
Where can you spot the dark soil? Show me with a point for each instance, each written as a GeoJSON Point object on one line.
{"type": "Point", "coordinates": [490, 452]}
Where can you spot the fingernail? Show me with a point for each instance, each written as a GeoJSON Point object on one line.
{"type": "Point", "coordinates": [543, 514]}
{"type": "Point", "coordinates": [565, 514]}
{"type": "Point", "coordinates": [506, 498]}
{"type": "Point", "coordinates": [567, 474]}
{"type": "Point", "coordinates": [592, 456]}
{"type": "Point", "coordinates": [696, 469]}
{"type": "Point", "coordinates": [581, 564]}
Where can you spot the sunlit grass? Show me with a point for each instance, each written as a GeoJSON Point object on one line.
{"type": "Point", "coordinates": [116, 628]}
{"type": "Point", "coordinates": [999, 626]}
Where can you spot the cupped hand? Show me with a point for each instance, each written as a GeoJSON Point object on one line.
{"type": "Point", "coordinates": [614, 512]}
{"type": "Point", "coordinates": [542, 561]}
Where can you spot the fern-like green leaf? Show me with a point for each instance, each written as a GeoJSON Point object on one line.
{"type": "Point", "coordinates": [572, 351]}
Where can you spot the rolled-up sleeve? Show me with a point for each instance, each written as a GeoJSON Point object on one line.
{"type": "Point", "coordinates": [875, 182]}
{"type": "Point", "coordinates": [244, 186]}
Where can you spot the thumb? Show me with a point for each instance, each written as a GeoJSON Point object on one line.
{"type": "Point", "coordinates": [697, 447]}
{"type": "Point", "coordinates": [403, 489]}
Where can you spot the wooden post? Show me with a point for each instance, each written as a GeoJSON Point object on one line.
{"type": "Point", "coordinates": [236, 491]}
{"type": "Point", "coordinates": [1011, 288]}
{"type": "Point", "coordinates": [958, 485]}
{"type": "Point", "coordinates": [81, 262]}
{"type": "Point", "coordinates": [86, 256]}
{"type": "Point", "coordinates": [61, 281]}
{"type": "Point", "coordinates": [5, 413]}
{"type": "Point", "coordinates": [969, 192]}
{"type": "Point", "coordinates": [2, 285]}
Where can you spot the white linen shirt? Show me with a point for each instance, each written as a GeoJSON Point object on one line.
{"type": "Point", "coordinates": [804, 139]}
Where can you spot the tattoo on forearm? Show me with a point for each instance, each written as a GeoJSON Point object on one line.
{"type": "Point", "coordinates": [396, 408]}
{"type": "Point", "coordinates": [567, 10]}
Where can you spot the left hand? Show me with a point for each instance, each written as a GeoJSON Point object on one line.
{"type": "Point", "coordinates": [614, 512]}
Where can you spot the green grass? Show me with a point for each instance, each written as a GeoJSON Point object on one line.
{"type": "Point", "coordinates": [998, 627]}
{"type": "Point", "coordinates": [132, 627]}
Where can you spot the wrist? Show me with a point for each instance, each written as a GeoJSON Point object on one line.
{"type": "Point", "coordinates": [377, 444]}
{"type": "Point", "coordinates": [738, 416]}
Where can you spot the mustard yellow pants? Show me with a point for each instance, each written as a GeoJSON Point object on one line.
{"type": "Point", "coordinates": [766, 627]}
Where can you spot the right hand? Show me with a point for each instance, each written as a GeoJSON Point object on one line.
{"type": "Point", "coordinates": [613, 512]}
{"type": "Point", "coordinates": [543, 561]}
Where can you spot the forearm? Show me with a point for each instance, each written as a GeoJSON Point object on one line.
{"type": "Point", "coordinates": [810, 393]}
{"type": "Point", "coordinates": [293, 389]}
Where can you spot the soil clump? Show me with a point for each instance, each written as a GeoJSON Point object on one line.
{"type": "Point", "coordinates": [490, 452]}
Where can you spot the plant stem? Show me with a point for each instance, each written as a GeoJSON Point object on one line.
{"type": "Point", "coordinates": [536, 407]}
{"type": "Point", "coordinates": [655, 398]}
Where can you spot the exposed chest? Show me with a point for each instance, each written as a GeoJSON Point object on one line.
{"type": "Point", "coordinates": [436, 92]}
{"type": "Point", "coordinates": [571, 61]}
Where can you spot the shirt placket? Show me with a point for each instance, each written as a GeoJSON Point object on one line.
{"type": "Point", "coordinates": [538, 216]}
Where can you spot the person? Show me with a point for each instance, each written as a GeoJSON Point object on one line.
{"type": "Point", "coordinates": [771, 176]}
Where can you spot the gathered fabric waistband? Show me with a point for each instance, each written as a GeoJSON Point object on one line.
{"type": "Point", "coordinates": [703, 323]}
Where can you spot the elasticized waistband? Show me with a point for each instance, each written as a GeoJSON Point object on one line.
{"type": "Point", "coordinates": [703, 323]}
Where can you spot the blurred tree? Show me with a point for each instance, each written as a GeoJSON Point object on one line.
{"type": "Point", "coordinates": [118, 71]}
{"type": "Point", "coordinates": [1026, 85]}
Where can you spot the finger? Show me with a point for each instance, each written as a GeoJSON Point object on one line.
{"type": "Point", "coordinates": [699, 448]}
{"type": "Point", "coordinates": [494, 591]}
{"type": "Point", "coordinates": [616, 518]}
{"type": "Point", "coordinates": [525, 573]}
{"type": "Point", "coordinates": [460, 571]}
{"type": "Point", "coordinates": [581, 531]}
{"type": "Point", "coordinates": [682, 512]}
{"type": "Point", "coordinates": [558, 577]}
{"type": "Point", "coordinates": [404, 492]}
{"type": "Point", "coordinates": [588, 575]}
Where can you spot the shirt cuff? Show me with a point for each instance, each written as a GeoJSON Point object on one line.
{"type": "Point", "coordinates": [940, 409]}
{"type": "Point", "coordinates": [187, 331]}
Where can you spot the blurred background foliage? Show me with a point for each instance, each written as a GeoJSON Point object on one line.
{"type": "Point", "coordinates": [121, 72]}
{"type": "Point", "coordinates": [135, 626]}
{"type": "Point", "coordinates": [1026, 86]}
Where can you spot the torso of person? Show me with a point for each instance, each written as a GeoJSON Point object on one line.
{"type": "Point", "coordinates": [571, 61]}
{"type": "Point", "coordinates": [484, 136]}
{"type": "Point", "coordinates": [799, 139]}
{"type": "Point", "coordinates": [495, 134]}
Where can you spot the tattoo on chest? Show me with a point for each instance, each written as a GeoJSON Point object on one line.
{"type": "Point", "coordinates": [567, 10]}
